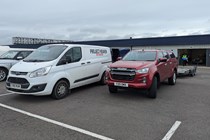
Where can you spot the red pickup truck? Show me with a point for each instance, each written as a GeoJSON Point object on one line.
{"type": "Point", "coordinates": [142, 69]}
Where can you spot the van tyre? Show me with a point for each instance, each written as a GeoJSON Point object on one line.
{"type": "Point", "coordinates": [3, 74]}
{"type": "Point", "coordinates": [103, 79]}
{"type": "Point", "coordinates": [60, 90]}
{"type": "Point", "coordinates": [113, 89]}
{"type": "Point", "coordinates": [152, 93]}
{"type": "Point", "coordinates": [172, 79]}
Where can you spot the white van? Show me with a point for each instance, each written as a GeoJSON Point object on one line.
{"type": "Point", "coordinates": [55, 69]}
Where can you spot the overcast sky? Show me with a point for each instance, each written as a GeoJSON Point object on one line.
{"type": "Point", "coordinates": [102, 19]}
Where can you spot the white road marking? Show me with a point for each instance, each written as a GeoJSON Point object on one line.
{"type": "Point", "coordinates": [172, 130]}
{"type": "Point", "coordinates": [57, 123]}
{"type": "Point", "coordinates": [6, 94]}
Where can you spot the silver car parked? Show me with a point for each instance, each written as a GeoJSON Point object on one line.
{"type": "Point", "coordinates": [8, 59]}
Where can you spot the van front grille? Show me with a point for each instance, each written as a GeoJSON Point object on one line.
{"type": "Point", "coordinates": [17, 80]}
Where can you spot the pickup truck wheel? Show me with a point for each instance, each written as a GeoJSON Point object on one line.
{"type": "Point", "coordinates": [3, 74]}
{"type": "Point", "coordinates": [152, 93]}
{"type": "Point", "coordinates": [61, 90]}
{"type": "Point", "coordinates": [172, 79]}
{"type": "Point", "coordinates": [113, 89]}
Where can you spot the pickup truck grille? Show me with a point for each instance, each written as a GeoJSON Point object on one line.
{"type": "Point", "coordinates": [123, 74]}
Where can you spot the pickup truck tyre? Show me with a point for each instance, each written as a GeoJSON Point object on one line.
{"type": "Point", "coordinates": [152, 93]}
{"type": "Point", "coordinates": [60, 90]}
{"type": "Point", "coordinates": [3, 74]}
{"type": "Point", "coordinates": [172, 79]}
{"type": "Point", "coordinates": [113, 89]}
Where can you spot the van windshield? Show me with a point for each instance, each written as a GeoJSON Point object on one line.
{"type": "Point", "coordinates": [45, 53]}
{"type": "Point", "coordinates": [140, 56]}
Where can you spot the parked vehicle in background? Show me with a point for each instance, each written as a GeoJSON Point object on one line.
{"type": "Point", "coordinates": [8, 59]}
{"type": "Point", "coordinates": [119, 53]}
{"type": "Point", "coordinates": [55, 69]}
{"type": "Point", "coordinates": [143, 69]}
{"type": "Point", "coordinates": [4, 49]}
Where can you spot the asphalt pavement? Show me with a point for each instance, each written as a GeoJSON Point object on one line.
{"type": "Point", "coordinates": [91, 112]}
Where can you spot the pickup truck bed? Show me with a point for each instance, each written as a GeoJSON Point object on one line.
{"type": "Point", "coordinates": [186, 70]}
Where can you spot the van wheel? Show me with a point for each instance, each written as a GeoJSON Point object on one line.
{"type": "Point", "coordinates": [61, 90]}
{"type": "Point", "coordinates": [172, 79]}
{"type": "Point", "coordinates": [113, 89]}
{"type": "Point", "coordinates": [3, 74]}
{"type": "Point", "coordinates": [152, 93]}
{"type": "Point", "coordinates": [103, 79]}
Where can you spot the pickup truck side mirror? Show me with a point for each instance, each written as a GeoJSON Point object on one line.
{"type": "Point", "coordinates": [162, 59]}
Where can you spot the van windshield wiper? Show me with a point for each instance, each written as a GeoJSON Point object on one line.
{"type": "Point", "coordinates": [34, 60]}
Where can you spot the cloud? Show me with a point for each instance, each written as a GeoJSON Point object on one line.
{"type": "Point", "coordinates": [104, 19]}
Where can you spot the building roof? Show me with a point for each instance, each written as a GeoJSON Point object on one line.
{"type": "Point", "coordinates": [153, 41]}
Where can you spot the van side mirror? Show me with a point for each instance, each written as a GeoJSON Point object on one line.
{"type": "Point", "coordinates": [68, 59]}
{"type": "Point", "coordinates": [162, 59]}
{"type": "Point", "coordinates": [64, 60]}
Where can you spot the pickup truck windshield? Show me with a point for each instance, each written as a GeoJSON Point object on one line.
{"type": "Point", "coordinates": [140, 56]}
{"type": "Point", "coordinates": [45, 53]}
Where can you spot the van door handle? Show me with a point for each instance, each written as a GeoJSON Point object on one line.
{"type": "Point", "coordinates": [88, 62]}
{"type": "Point", "coordinates": [82, 63]}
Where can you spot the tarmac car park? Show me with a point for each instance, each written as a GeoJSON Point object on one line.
{"type": "Point", "coordinates": [90, 113]}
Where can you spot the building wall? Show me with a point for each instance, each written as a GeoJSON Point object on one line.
{"type": "Point", "coordinates": [208, 57]}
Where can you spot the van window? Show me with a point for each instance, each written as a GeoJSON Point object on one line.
{"type": "Point", "coordinates": [72, 55]}
{"type": "Point", "coordinates": [76, 54]}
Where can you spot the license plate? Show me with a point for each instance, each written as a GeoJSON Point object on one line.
{"type": "Point", "coordinates": [121, 84]}
{"type": "Point", "coordinates": [16, 86]}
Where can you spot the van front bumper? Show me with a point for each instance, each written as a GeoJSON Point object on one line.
{"type": "Point", "coordinates": [29, 86]}
{"type": "Point", "coordinates": [33, 89]}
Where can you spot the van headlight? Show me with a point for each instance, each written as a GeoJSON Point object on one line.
{"type": "Point", "coordinates": [40, 72]}
{"type": "Point", "coordinates": [142, 71]}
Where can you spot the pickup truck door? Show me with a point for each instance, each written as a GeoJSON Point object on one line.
{"type": "Point", "coordinates": [162, 67]}
{"type": "Point", "coordinates": [168, 64]}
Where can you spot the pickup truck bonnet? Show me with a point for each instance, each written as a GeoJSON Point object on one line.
{"type": "Point", "coordinates": [132, 64]}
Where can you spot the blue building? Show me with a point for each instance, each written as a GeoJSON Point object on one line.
{"type": "Point", "coordinates": [195, 46]}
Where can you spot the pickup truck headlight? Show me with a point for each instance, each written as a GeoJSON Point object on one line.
{"type": "Point", "coordinates": [40, 72]}
{"type": "Point", "coordinates": [142, 71]}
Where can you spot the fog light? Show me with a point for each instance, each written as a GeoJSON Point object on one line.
{"type": "Point", "coordinates": [144, 80]}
